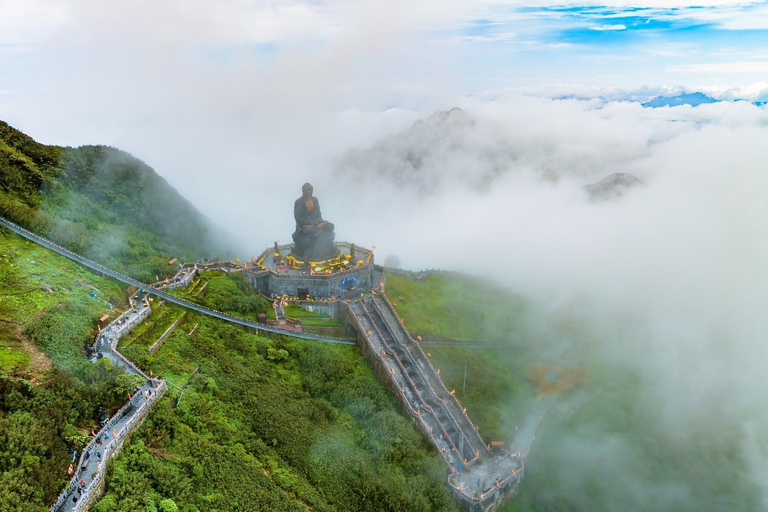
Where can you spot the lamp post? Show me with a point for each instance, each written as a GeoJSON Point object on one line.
{"type": "Point", "coordinates": [464, 386]}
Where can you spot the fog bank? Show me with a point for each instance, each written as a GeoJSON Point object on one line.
{"type": "Point", "coordinates": [668, 281]}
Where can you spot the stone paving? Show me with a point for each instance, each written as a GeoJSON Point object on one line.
{"type": "Point", "coordinates": [478, 477]}
{"type": "Point", "coordinates": [89, 469]}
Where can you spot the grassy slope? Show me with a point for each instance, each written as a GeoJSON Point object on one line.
{"type": "Point", "coordinates": [34, 280]}
{"type": "Point", "coordinates": [264, 425]}
{"type": "Point", "coordinates": [460, 309]}
{"type": "Point", "coordinates": [110, 207]}
{"type": "Point", "coordinates": [315, 322]}
{"type": "Point", "coordinates": [614, 453]}
{"type": "Point", "coordinates": [270, 424]}
{"type": "Point", "coordinates": [99, 202]}
{"type": "Point", "coordinates": [49, 393]}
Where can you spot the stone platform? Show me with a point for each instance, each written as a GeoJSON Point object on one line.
{"type": "Point", "coordinates": [276, 273]}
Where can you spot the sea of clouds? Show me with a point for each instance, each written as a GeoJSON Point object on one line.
{"type": "Point", "coordinates": [668, 281]}
{"type": "Point", "coordinates": [237, 107]}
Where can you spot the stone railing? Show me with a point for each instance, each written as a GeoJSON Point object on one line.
{"type": "Point", "coordinates": [112, 334]}
{"type": "Point", "coordinates": [423, 357]}
{"type": "Point", "coordinates": [182, 278]}
{"type": "Point", "coordinates": [116, 441]}
{"type": "Point", "coordinates": [483, 500]}
{"type": "Point", "coordinates": [368, 256]}
{"type": "Point", "coordinates": [426, 383]}
{"type": "Point", "coordinates": [416, 275]}
{"type": "Point", "coordinates": [473, 438]}
{"type": "Point", "coordinates": [414, 412]}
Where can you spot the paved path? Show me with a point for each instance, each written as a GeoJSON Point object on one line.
{"type": "Point", "coordinates": [526, 434]}
{"type": "Point", "coordinates": [156, 291]}
{"type": "Point", "coordinates": [477, 477]}
{"type": "Point", "coordinates": [91, 465]}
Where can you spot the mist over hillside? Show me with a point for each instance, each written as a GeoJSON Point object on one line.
{"type": "Point", "coordinates": [460, 135]}
{"type": "Point", "coordinates": [103, 203]}
{"type": "Point", "coordinates": [659, 289]}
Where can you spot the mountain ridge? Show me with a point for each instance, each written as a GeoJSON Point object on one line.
{"type": "Point", "coordinates": [101, 202]}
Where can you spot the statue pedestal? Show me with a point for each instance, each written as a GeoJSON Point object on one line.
{"type": "Point", "coordinates": [314, 243]}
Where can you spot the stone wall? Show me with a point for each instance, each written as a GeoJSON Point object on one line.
{"type": "Point", "coordinates": [98, 490]}
{"type": "Point", "coordinates": [330, 308]}
{"type": "Point", "coordinates": [322, 286]}
{"type": "Point", "coordinates": [159, 343]}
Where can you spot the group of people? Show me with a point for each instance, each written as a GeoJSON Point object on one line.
{"type": "Point", "coordinates": [81, 485]}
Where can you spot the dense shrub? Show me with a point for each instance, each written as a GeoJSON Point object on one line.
{"type": "Point", "coordinates": [277, 424]}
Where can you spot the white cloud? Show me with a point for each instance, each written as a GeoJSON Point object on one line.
{"type": "Point", "coordinates": [185, 86]}
{"type": "Point", "coordinates": [721, 67]}
{"type": "Point", "coordinates": [602, 28]}
{"type": "Point", "coordinates": [489, 38]}
{"type": "Point", "coordinates": [665, 254]}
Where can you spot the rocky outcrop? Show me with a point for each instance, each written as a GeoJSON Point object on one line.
{"type": "Point", "coordinates": [611, 187]}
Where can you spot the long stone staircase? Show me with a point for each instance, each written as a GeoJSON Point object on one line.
{"type": "Point", "coordinates": [87, 482]}
{"type": "Point", "coordinates": [479, 479]}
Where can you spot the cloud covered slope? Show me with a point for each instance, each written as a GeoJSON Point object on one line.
{"type": "Point", "coordinates": [100, 202]}
{"type": "Point", "coordinates": [666, 283]}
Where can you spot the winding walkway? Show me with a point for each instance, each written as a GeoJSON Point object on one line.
{"type": "Point", "coordinates": [158, 292]}
{"type": "Point", "coordinates": [478, 478]}
{"type": "Point", "coordinates": [88, 473]}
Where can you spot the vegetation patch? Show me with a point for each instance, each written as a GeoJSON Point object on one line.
{"type": "Point", "coordinates": [102, 203]}
{"type": "Point", "coordinates": [273, 424]}
{"type": "Point", "coordinates": [496, 391]}
{"type": "Point", "coordinates": [230, 293]}
{"type": "Point", "coordinates": [49, 393]}
{"type": "Point", "coordinates": [460, 308]}
{"type": "Point", "coordinates": [316, 323]}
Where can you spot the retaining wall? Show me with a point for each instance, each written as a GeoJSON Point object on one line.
{"type": "Point", "coordinates": [321, 286]}
{"type": "Point", "coordinates": [159, 343]}
{"type": "Point", "coordinates": [97, 488]}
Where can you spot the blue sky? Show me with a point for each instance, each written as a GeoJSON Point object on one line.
{"type": "Point", "coordinates": [385, 53]}
{"type": "Point", "coordinates": [158, 77]}
{"type": "Point", "coordinates": [610, 45]}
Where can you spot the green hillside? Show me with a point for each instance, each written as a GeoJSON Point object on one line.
{"type": "Point", "coordinates": [49, 393]}
{"type": "Point", "coordinates": [102, 203]}
{"type": "Point", "coordinates": [264, 424]}
{"type": "Point", "coordinates": [269, 424]}
{"type": "Point", "coordinates": [603, 446]}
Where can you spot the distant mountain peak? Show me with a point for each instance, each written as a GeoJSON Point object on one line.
{"type": "Point", "coordinates": [612, 186]}
{"type": "Point", "coordinates": [686, 98]}
{"type": "Point", "coordinates": [410, 156]}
